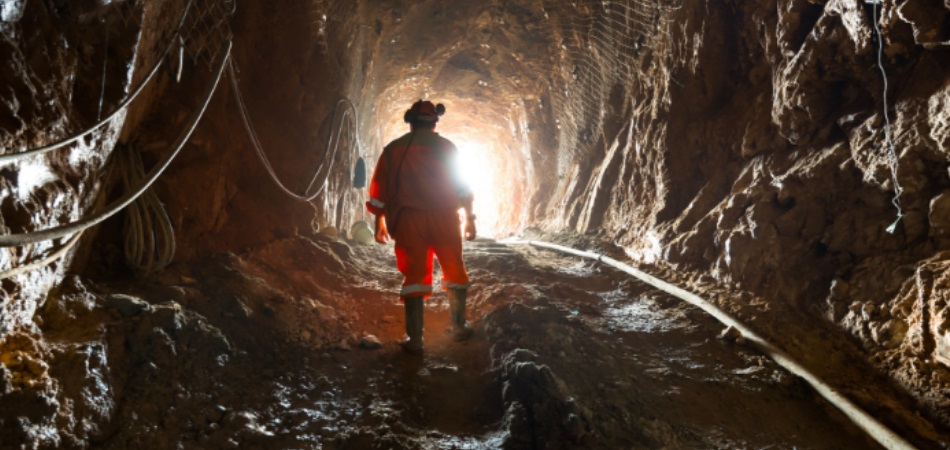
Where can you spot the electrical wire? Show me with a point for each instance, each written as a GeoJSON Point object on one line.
{"type": "Point", "coordinates": [888, 138]}
{"type": "Point", "coordinates": [122, 106]}
{"type": "Point", "coordinates": [335, 143]}
{"type": "Point", "coordinates": [332, 147]}
{"type": "Point", "coordinates": [12, 240]}
{"type": "Point", "coordinates": [105, 65]}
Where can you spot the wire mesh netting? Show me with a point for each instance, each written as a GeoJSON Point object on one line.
{"type": "Point", "coordinates": [129, 12]}
{"type": "Point", "coordinates": [207, 28]}
{"type": "Point", "coordinates": [203, 31]}
{"type": "Point", "coordinates": [600, 40]}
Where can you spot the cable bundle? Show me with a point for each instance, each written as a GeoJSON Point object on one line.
{"type": "Point", "coordinates": [149, 236]}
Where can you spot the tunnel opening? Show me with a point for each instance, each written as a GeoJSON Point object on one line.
{"type": "Point", "coordinates": [599, 125]}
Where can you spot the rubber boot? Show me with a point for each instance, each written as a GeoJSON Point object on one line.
{"type": "Point", "coordinates": [460, 330]}
{"type": "Point", "coordinates": [414, 325]}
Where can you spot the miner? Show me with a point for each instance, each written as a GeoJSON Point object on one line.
{"type": "Point", "coordinates": [416, 193]}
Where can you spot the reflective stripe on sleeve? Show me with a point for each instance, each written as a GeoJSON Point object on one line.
{"type": "Point", "coordinates": [377, 203]}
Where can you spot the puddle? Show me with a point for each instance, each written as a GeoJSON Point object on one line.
{"type": "Point", "coordinates": [642, 315]}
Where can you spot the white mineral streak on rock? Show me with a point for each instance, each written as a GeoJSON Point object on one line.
{"type": "Point", "coordinates": [32, 175]}
{"type": "Point", "coordinates": [10, 11]}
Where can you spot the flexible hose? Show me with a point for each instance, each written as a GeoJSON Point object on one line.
{"type": "Point", "coordinates": [883, 435]}
{"type": "Point", "coordinates": [43, 262]}
{"type": "Point", "coordinates": [149, 236]}
{"type": "Point", "coordinates": [331, 149]}
{"type": "Point", "coordinates": [11, 240]}
{"type": "Point", "coordinates": [122, 106]}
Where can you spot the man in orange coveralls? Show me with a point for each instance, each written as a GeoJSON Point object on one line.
{"type": "Point", "coordinates": [415, 194]}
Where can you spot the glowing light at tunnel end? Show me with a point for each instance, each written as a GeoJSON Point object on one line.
{"type": "Point", "coordinates": [481, 157]}
{"type": "Point", "coordinates": [477, 170]}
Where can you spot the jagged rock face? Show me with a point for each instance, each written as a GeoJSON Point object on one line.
{"type": "Point", "coordinates": [218, 195]}
{"type": "Point", "coordinates": [743, 139]}
{"type": "Point", "coordinates": [775, 172]}
{"type": "Point", "coordinates": [52, 73]}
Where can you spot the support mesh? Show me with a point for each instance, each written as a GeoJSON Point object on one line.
{"type": "Point", "coordinates": [600, 44]}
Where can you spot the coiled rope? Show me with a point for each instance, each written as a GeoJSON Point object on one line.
{"type": "Point", "coordinates": [12, 240]}
{"type": "Point", "coordinates": [122, 106]}
{"type": "Point", "coordinates": [149, 236]}
{"type": "Point", "coordinates": [332, 148]}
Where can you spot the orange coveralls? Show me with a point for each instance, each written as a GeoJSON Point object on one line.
{"type": "Point", "coordinates": [416, 185]}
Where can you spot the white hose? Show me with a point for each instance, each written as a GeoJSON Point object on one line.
{"type": "Point", "coordinates": [880, 433]}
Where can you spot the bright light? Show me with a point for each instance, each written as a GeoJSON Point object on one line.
{"type": "Point", "coordinates": [476, 169]}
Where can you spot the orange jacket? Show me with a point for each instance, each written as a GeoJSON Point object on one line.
{"type": "Point", "coordinates": [424, 176]}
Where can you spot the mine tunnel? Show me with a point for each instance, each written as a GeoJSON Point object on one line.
{"type": "Point", "coordinates": [701, 224]}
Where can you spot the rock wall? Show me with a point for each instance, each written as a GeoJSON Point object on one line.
{"type": "Point", "coordinates": [756, 153]}
{"type": "Point", "coordinates": [70, 64]}
{"type": "Point", "coordinates": [218, 194]}
{"type": "Point", "coordinates": [65, 66]}
{"type": "Point", "coordinates": [291, 103]}
{"type": "Point", "coordinates": [744, 140]}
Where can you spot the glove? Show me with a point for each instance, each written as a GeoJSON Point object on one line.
{"type": "Point", "coordinates": [470, 231]}
{"type": "Point", "coordinates": [381, 233]}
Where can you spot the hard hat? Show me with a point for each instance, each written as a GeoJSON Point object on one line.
{"type": "Point", "coordinates": [360, 232]}
{"type": "Point", "coordinates": [424, 111]}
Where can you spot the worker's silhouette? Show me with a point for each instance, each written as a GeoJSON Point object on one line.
{"type": "Point", "coordinates": [416, 193]}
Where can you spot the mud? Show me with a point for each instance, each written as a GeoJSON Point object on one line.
{"type": "Point", "coordinates": [233, 352]}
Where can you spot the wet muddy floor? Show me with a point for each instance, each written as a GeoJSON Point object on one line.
{"type": "Point", "coordinates": [238, 352]}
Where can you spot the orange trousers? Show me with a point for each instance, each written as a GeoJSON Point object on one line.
{"type": "Point", "coordinates": [419, 236]}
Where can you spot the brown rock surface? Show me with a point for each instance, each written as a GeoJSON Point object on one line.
{"type": "Point", "coordinates": [743, 142]}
